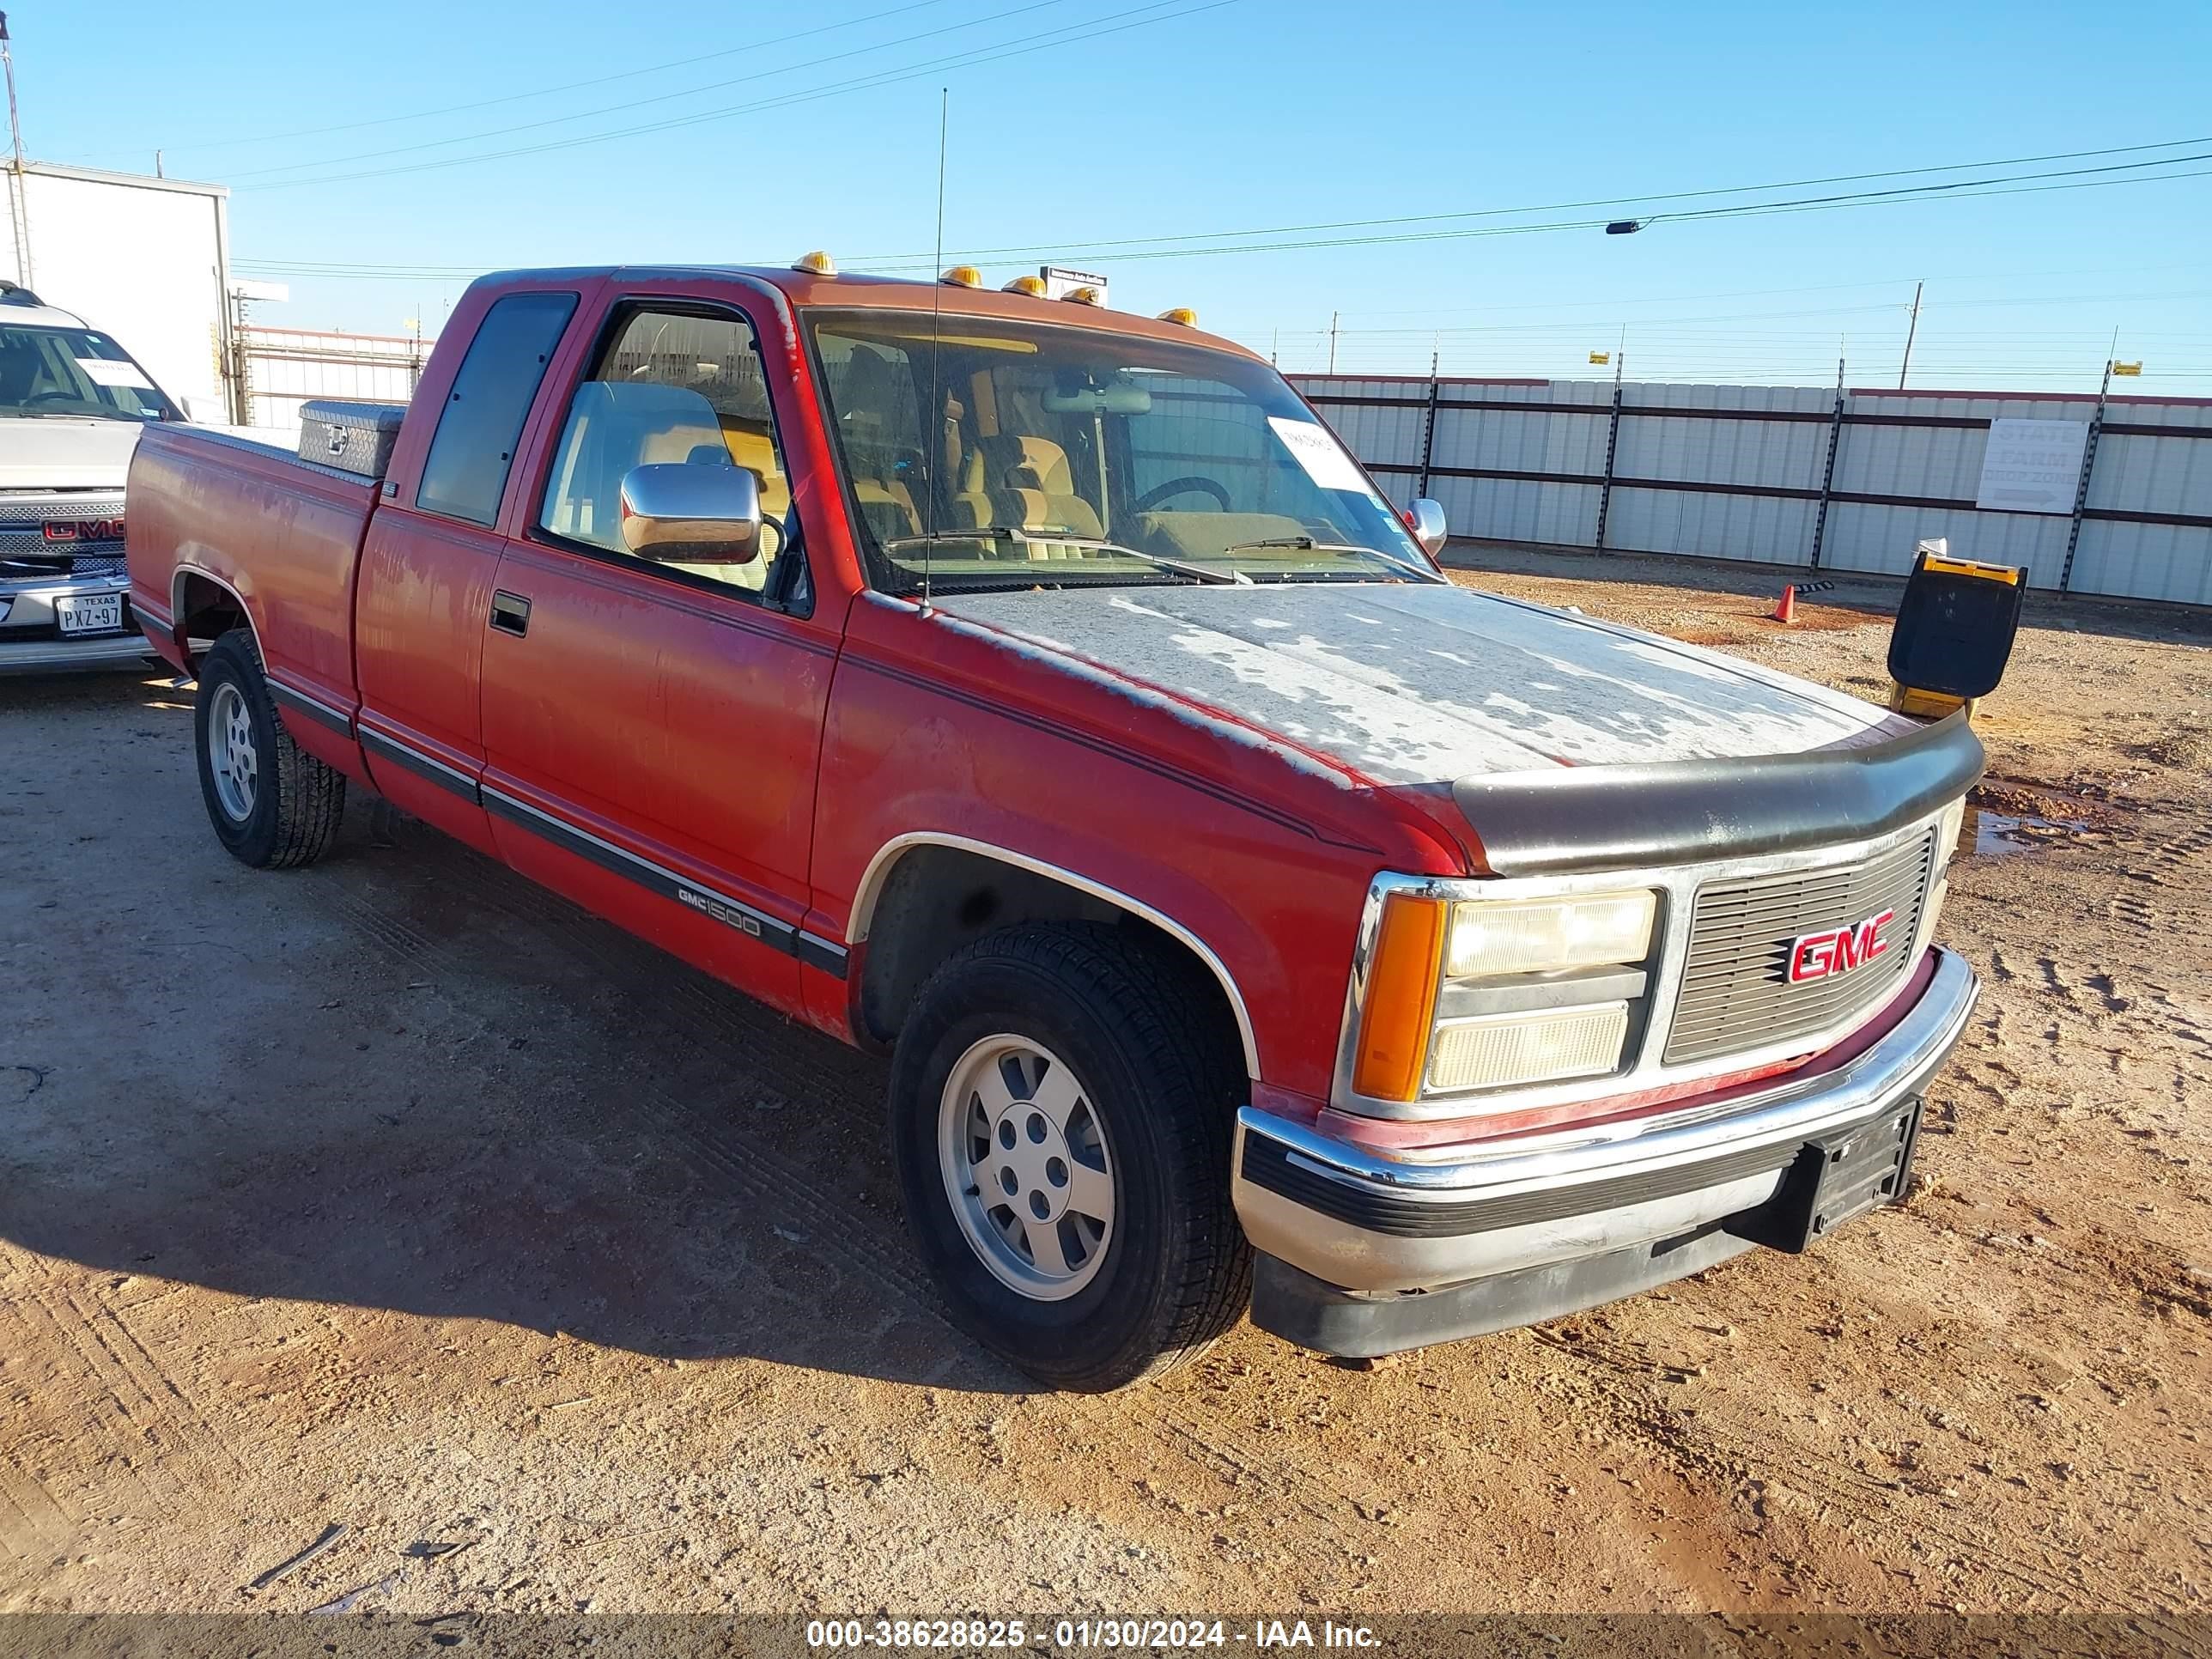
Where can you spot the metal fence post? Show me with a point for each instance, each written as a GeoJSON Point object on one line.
{"type": "Point", "coordinates": [1612, 440]}
{"type": "Point", "coordinates": [1429, 432]}
{"type": "Point", "coordinates": [2081, 489]}
{"type": "Point", "coordinates": [1828, 475]}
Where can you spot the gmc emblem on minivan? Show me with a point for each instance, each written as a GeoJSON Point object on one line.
{"type": "Point", "coordinates": [83, 530]}
{"type": "Point", "coordinates": [1839, 950]}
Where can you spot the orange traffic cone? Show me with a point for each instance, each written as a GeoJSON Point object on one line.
{"type": "Point", "coordinates": [1785, 608]}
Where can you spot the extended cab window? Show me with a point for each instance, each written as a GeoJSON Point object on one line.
{"type": "Point", "coordinates": [466, 473]}
{"type": "Point", "coordinates": [671, 388]}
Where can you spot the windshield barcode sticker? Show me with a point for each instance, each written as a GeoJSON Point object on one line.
{"type": "Point", "coordinates": [1314, 448]}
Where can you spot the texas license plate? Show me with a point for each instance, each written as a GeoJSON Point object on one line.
{"type": "Point", "coordinates": [97, 613]}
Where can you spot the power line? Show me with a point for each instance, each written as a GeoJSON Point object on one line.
{"type": "Point", "coordinates": [1078, 248]}
{"type": "Point", "coordinates": [657, 98]}
{"type": "Point", "coordinates": [1958, 190]}
{"type": "Point", "coordinates": [691, 62]}
{"type": "Point", "coordinates": [1019, 47]}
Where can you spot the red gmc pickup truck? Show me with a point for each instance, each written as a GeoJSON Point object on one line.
{"type": "Point", "coordinates": [1044, 698]}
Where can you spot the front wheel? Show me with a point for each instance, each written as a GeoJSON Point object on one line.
{"type": "Point", "coordinates": [1061, 1117]}
{"type": "Point", "coordinates": [272, 803]}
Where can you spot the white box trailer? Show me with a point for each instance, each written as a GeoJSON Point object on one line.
{"type": "Point", "coordinates": [144, 259]}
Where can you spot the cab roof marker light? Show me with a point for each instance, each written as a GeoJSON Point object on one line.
{"type": "Point", "coordinates": [1084, 296]}
{"type": "Point", "coordinates": [1182, 315]}
{"type": "Point", "coordinates": [1032, 286]}
{"type": "Point", "coordinates": [962, 276]}
{"type": "Point", "coordinates": [816, 263]}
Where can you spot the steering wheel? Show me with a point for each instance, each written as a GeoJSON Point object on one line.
{"type": "Point", "coordinates": [1174, 487]}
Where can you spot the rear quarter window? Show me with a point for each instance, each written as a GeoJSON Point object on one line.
{"type": "Point", "coordinates": [470, 454]}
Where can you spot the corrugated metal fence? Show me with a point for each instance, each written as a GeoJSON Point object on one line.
{"type": "Point", "coordinates": [1790, 474]}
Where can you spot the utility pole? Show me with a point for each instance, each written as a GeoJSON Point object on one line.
{"type": "Point", "coordinates": [1332, 342]}
{"type": "Point", "coordinates": [1911, 329]}
{"type": "Point", "coordinates": [19, 209]}
{"type": "Point", "coordinates": [14, 120]}
{"type": "Point", "coordinates": [158, 173]}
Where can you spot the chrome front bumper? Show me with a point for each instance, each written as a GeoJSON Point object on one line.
{"type": "Point", "coordinates": [27, 607]}
{"type": "Point", "coordinates": [1360, 1221]}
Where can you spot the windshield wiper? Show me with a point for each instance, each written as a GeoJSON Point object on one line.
{"type": "Point", "coordinates": [1314, 544]}
{"type": "Point", "coordinates": [1029, 534]}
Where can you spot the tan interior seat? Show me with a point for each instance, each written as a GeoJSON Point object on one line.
{"type": "Point", "coordinates": [868, 400]}
{"type": "Point", "coordinates": [754, 449]}
{"type": "Point", "coordinates": [1021, 479]}
{"type": "Point", "coordinates": [614, 426]}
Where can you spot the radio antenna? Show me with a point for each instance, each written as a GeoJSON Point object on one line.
{"type": "Point", "coordinates": [932, 432]}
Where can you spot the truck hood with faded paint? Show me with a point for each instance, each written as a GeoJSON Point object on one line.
{"type": "Point", "coordinates": [1417, 683]}
{"type": "Point", "coordinates": [66, 453]}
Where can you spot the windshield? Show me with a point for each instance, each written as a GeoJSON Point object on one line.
{"type": "Point", "coordinates": [1053, 457]}
{"type": "Point", "coordinates": [74, 372]}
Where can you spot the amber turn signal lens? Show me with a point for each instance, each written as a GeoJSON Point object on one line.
{"type": "Point", "coordinates": [1401, 1006]}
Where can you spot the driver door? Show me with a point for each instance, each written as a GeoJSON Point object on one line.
{"type": "Point", "coordinates": [651, 729]}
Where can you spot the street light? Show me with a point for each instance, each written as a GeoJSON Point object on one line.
{"type": "Point", "coordinates": [1626, 227]}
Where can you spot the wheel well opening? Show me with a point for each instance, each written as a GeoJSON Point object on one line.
{"type": "Point", "coordinates": [205, 611]}
{"type": "Point", "coordinates": [936, 899]}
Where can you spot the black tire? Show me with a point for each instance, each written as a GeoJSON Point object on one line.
{"type": "Point", "coordinates": [297, 800]}
{"type": "Point", "coordinates": [1129, 1018]}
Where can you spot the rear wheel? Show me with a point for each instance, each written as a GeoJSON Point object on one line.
{"type": "Point", "coordinates": [272, 803]}
{"type": "Point", "coordinates": [1061, 1121]}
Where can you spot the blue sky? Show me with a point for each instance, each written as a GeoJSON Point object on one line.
{"type": "Point", "coordinates": [1189, 118]}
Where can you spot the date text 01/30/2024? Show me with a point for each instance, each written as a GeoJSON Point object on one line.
{"type": "Point", "coordinates": [1102, 1634]}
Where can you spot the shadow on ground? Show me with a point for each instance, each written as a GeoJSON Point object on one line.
{"type": "Point", "coordinates": [407, 1079]}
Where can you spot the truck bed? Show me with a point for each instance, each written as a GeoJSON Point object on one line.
{"type": "Point", "coordinates": [210, 515]}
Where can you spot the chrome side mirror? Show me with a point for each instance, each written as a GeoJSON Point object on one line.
{"type": "Point", "coordinates": [692, 515]}
{"type": "Point", "coordinates": [1425, 518]}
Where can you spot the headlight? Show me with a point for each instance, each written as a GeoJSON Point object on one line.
{"type": "Point", "coordinates": [1497, 994]}
{"type": "Point", "coordinates": [1539, 935]}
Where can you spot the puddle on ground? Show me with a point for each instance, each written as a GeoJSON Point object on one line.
{"type": "Point", "coordinates": [1984, 834]}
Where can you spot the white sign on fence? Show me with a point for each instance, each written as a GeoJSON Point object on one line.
{"type": "Point", "coordinates": [2032, 467]}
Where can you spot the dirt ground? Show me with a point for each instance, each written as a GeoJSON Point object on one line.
{"type": "Point", "coordinates": [396, 1193]}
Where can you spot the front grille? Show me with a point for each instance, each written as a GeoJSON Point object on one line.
{"type": "Point", "coordinates": [1737, 992]}
{"type": "Point", "coordinates": [43, 565]}
{"type": "Point", "coordinates": [24, 549]}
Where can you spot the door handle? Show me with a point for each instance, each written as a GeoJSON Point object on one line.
{"type": "Point", "coordinates": [510, 613]}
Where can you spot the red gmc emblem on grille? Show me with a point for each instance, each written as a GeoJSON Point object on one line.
{"type": "Point", "coordinates": [84, 530]}
{"type": "Point", "coordinates": [1839, 950]}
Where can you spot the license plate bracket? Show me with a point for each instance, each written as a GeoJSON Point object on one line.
{"type": "Point", "coordinates": [1834, 1179]}
{"type": "Point", "coordinates": [89, 613]}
